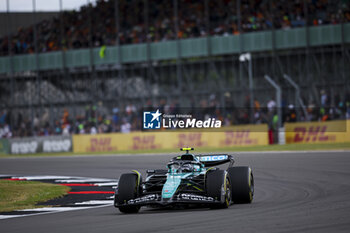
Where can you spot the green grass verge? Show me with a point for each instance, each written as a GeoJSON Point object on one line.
{"type": "Point", "coordinates": [287, 147]}
{"type": "Point", "coordinates": [16, 195]}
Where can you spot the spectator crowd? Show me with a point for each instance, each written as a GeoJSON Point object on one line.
{"type": "Point", "coordinates": [94, 25]}
{"type": "Point", "coordinates": [97, 119]}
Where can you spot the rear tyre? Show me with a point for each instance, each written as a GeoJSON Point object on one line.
{"type": "Point", "coordinates": [218, 186]}
{"type": "Point", "coordinates": [128, 188]}
{"type": "Point", "coordinates": [242, 182]}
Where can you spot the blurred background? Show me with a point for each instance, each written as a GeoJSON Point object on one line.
{"type": "Point", "coordinates": [87, 67]}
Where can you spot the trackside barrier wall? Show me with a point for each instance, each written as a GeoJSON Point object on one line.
{"type": "Point", "coordinates": [318, 132]}
{"type": "Point", "coordinates": [32, 145]}
{"type": "Point", "coordinates": [248, 135]}
{"type": "Point", "coordinates": [4, 146]}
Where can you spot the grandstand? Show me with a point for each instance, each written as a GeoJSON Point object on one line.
{"type": "Point", "coordinates": [99, 66]}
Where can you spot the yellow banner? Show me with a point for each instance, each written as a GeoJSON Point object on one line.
{"type": "Point", "coordinates": [248, 135]}
{"type": "Point", "coordinates": [318, 132]}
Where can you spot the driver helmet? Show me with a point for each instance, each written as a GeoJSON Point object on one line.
{"type": "Point", "coordinates": [187, 168]}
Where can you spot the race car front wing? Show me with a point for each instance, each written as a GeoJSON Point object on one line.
{"type": "Point", "coordinates": [156, 199]}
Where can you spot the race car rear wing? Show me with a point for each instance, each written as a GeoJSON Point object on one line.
{"type": "Point", "coordinates": [211, 160]}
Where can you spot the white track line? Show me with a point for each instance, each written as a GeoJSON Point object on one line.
{"type": "Point", "coordinates": [87, 180]}
{"type": "Point", "coordinates": [41, 177]}
{"type": "Point", "coordinates": [67, 179]}
{"type": "Point", "coordinates": [51, 212]}
{"type": "Point", "coordinates": [95, 202]}
{"type": "Point", "coordinates": [107, 184]}
{"type": "Point", "coordinates": [55, 209]}
{"type": "Point", "coordinates": [11, 216]}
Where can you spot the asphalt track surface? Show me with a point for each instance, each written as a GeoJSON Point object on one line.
{"type": "Point", "coordinates": [294, 192]}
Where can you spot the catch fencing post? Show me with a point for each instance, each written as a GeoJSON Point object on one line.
{"type": "Point", "coordinates": [278, 100]}
{"type": "Point", "coordinates": [298, 100]}
{"type": "Point", "coordinates": [248, 57]}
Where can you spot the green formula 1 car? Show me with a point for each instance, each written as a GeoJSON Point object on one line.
{"type": "Point", "coordinates": [189, 180]}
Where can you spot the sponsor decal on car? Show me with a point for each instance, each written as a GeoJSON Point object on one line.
{"type": "Point", "coordinates": [213, 158]}
{"type": "Point", "coordinates": [150, 197]}
{"type": "Point", "coordinates": [193, 197]}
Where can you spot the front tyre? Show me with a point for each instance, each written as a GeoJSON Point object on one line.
{"type": "Point", "coordinates": [218, 186]}
{"type": "Point", "coordinates": [242, 182]}
{"type": "Point", "coordinates": [128, 189]}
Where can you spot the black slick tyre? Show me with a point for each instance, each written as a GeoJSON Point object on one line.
{"type": "Point", "coordinates": [128, 189]}
{"type": "Point", "coordinates": [242, 183]}
{"type": "Point", "coordinates": [216, 181]}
